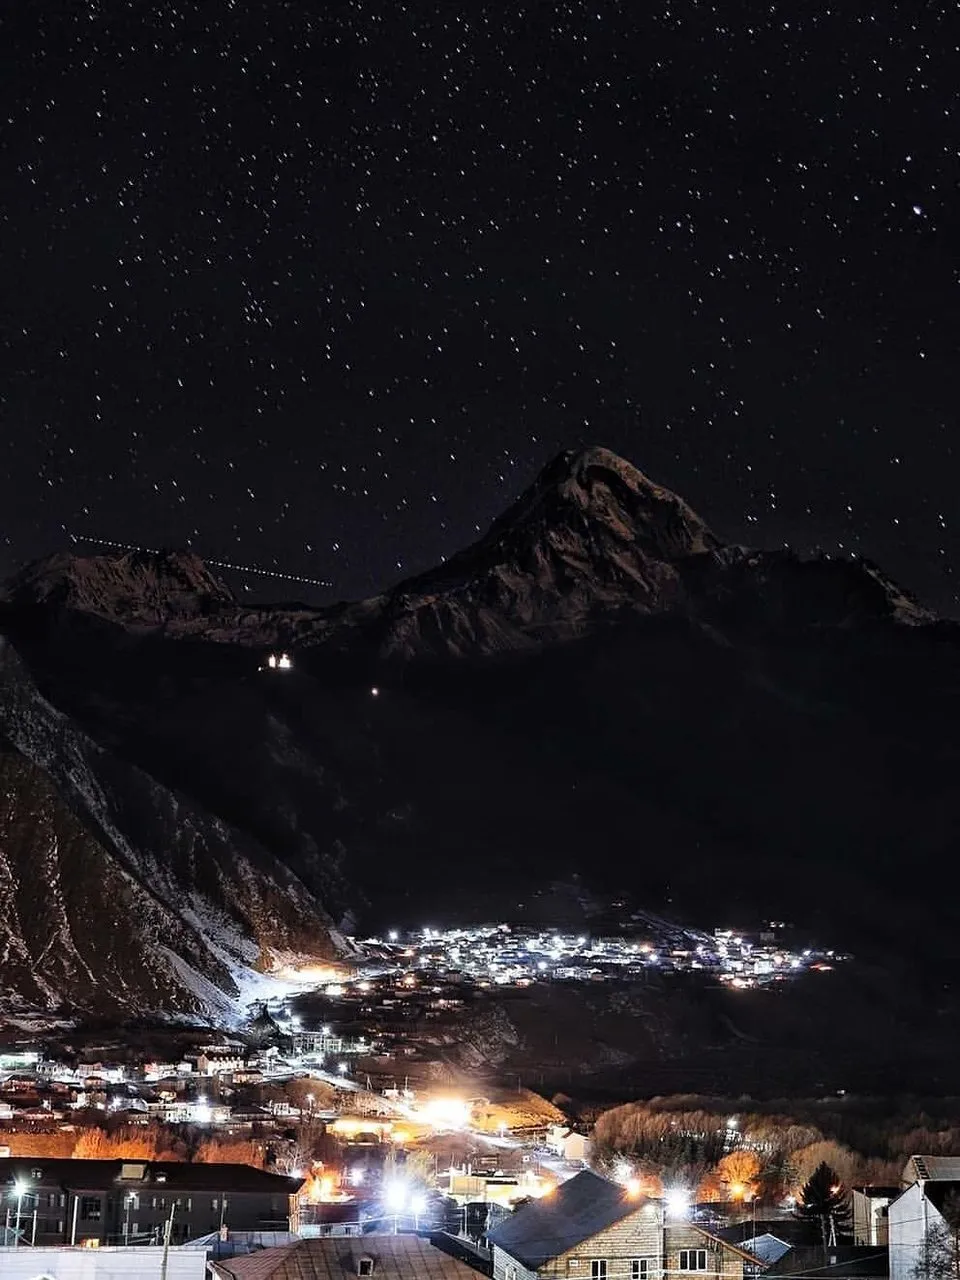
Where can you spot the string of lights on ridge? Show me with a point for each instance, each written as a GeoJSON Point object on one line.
{"type": "Point", "coordinates": [217, 564]}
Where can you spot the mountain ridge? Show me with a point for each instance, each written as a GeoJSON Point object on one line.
{"type": "Point", "coordinates": [598, 679]}
{"type": "Point", "coordinates": [591, 535]}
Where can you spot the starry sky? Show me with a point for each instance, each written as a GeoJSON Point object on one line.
{"type": "Point", "coordinates": [318, 287]}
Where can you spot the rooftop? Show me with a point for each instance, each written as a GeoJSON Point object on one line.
{"type": "Point", "coordinates": [96, 1174]}
{"type": "Point", "coordinates": [577, 1210]}
{"type": "Point", "coordinates": [402, 1257]}
{"type": "Point", "coordinates": [932, 1169]}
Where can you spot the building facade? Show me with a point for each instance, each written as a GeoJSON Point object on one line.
{"type": "Point", "coordinates": [110, 1202]}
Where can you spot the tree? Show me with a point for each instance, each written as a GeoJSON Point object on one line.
{"type": "Point", "coordinates": [236, 1151]}
{"type": "Point", "coordinates": [92, 1145]}
{"type": "Point", "coordinates": [740, 1174]}
{"type": "Point", "coordinates": [824, 1200]}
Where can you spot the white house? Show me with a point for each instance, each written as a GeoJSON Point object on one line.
{"type": "Point", "coordinates": [917, 1230]}
{"type": "Point", "coordinates": [568, 1144]}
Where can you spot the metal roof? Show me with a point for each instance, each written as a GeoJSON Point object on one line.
{"type": "Point", "coordinates": [932, 1169]}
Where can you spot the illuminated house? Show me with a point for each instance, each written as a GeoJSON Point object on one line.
{"type": "Point", "coordinates": [592, 1229]}
{"type": "Point", "coordinates": [279, 662]}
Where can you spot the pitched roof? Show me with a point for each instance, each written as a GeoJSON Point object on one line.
{"type": "Point", "coordinates": [548, 1227]}
{"type": "Point", "coordinates": [932, 1169]}
{"type": "Point", "coordinates": [403, 1257]}
{"type": "Point", "coordinates": [767, 1248]}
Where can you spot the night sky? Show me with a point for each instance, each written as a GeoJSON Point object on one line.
{"type": "Point", "coordinates": [319, 287]}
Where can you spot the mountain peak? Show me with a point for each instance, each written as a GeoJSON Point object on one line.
{"type": "Point", "coordinates": [604, 487]}
{"type": "Point", "coordinates": [590, 537]}
{"type": "Point", "coordinates": [129, 586]}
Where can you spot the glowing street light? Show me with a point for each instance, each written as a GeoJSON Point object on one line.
{"type": "Point", "coordinates": [678, 1202]}
{"type": "Point", "coordinates": [395, 1197]}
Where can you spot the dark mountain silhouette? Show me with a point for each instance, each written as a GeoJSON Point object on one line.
{"type": "Point", "coordinates": [599, 685]}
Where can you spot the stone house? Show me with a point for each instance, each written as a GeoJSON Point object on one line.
{"type": "Point", "coordinates": [592, 1229]}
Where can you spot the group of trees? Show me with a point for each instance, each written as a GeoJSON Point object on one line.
{"type": "Point", "coordinates": [147, 1142]}
{"type": "Point", "coordinates": [721, 1156]}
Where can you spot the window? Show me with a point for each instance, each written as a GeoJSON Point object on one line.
{"type": "Point", "coordinates": [639, 1269]}
{"type": "Point", "coordinates": [90, 1208]}
{"type": "Point", "coordinates": [598, 1269]}
{"type": "Point", "coordinates": [693, 1259]}
{"type": "Point", "coordinates": [365, 1267]}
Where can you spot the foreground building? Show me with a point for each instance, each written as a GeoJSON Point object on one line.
{"type": "Point", "coordinates": [109, 1202]}
{"type": "Point", "coordinates": [923, 1222]}
{"type": "Point", "coordinates": [593, 1229]}
{"type": "Point", "coordinates": [403, 1257]}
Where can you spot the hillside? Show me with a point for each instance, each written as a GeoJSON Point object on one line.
{"type": "Point", "coordinates": [599, 684]}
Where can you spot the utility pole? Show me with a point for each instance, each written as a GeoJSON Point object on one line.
{"type": "Point", "coordinates": [167, 1232]}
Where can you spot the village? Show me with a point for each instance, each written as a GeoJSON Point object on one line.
{"type": "Point", "coordinates": [331, 1123]}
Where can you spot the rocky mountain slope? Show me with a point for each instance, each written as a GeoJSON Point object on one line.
{"type": "Point", "coordinates": [599, 684]}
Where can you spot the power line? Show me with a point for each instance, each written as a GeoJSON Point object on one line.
{"type": "Point", "coordinates": [218, 564]}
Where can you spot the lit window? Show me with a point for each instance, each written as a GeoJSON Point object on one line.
{"type": "Point", "coordinates": [693, 1259]}
{"type": "Point", "coordinates": [598, 1269]}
